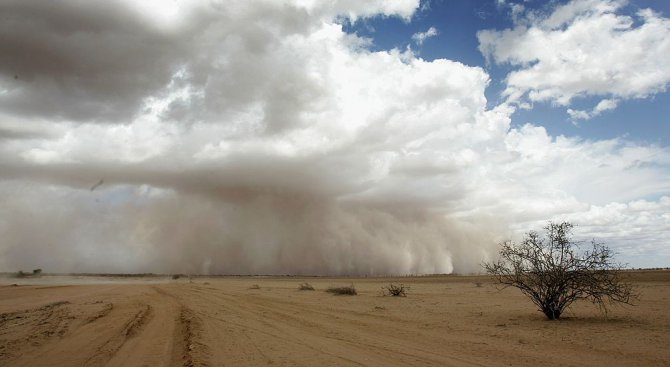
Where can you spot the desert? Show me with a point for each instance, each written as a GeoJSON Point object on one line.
{"type": "Point", "coordinates": [246, 182]}
{"type": "Point", "coordinates": [446, 320]}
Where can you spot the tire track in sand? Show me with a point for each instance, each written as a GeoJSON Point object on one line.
{"type": "Point", "coordinates": [188, 350]}
{"type": "Point", "coordinates": [107, 351]}
{"type": "Point", "coordinates": [37, 325]}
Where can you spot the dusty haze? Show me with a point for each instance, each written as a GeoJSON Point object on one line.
{"type": "Point", "coordinates": [241, 232]}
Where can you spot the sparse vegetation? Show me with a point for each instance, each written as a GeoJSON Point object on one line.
{"type": "Point", "coordinates": [553, 273]}
{"type": "Point", "coordinates": [349, 290]}
{"type": "Point", "coordinates": [395, 290]}
{"type": "Point", "coordinates": [305, 287]}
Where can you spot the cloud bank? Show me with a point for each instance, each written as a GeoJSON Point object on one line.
{"type": "Point", "coordinates": [257, 137]}
{"type": "Point", "coordinates": [579, 49]}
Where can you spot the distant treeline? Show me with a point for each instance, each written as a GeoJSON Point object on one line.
{"type": "Point", "coordinates": [636, 269]}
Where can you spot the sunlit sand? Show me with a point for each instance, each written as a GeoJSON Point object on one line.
{"type": "Point", "coordinates": [262, 321]}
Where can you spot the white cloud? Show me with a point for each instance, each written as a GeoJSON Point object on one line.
{"type": "Point", "coordinates": [425, 6]}
{"type": "Point", "coordinates": [579, 114]}
{"type": "Point", "coordinates": [604, 105]}
{"type": "Point", "coordinates": [516, 10]}
{"type": "Point", "coordinates": [583, 48]}
{"type": "Point", "coordinates": [641, 226]}
{"type": "Point", "coordinates": [354, 9]}
{"type": "Point", "coordinates": [420, 37]}
{"type": "Point", "coordinates": [279, 144]}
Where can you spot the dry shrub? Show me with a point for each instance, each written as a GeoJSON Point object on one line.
{"type": "Point", "coordinates": [395, 290]}
{"type": "Point", "coordinates": [255, 286]}
{"type": "Point", "coordinates": [553, 272]}
{"type": "Point", "coordinates": [305, 287]}
{"type": "Point", "coordinates": [346, 290]}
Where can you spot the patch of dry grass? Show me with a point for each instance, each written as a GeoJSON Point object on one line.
{"type": "Point", "coordinates": [349, 290]}
{"type": "Point", "coordinates": [305, 287]}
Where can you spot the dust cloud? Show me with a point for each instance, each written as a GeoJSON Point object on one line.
{"type": "Point", "coordinates": [238, 231]}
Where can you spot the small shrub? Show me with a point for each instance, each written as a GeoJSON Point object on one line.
{"type": "Point", "coordinates": [479, 284]}
{"type": "Point", "coordinates": [554, 273]}
{"type": "Point", "coordinates": [255, 286]}
{"type": "Point", "coordinates": [37, 272]}
{"type": "Point", "coordinates": [395, 290]}
{"type": "Point", "coordinates": [176, 276]}
{"type": "Point", "coordinates": [346, 290]}
{"type": "Point", "coordinates": [21, 274]}
{"type": "Point", "coordinates": [305, 287]}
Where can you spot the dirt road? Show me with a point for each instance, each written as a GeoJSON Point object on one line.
{"type": "Point", "coordinates": [444, 321]}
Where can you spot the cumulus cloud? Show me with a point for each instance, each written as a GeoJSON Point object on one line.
{"type": "Point", "coordinates": [579, 49]}
{"type": "Point", "coordinates": [259, 137]}
{"type": "Point", "coordinates": [604, 105]}
{"type": "Point", "coordinates": [640, 224]}
{"type": "Point", "coordinates": [81, 61]}
{"type": "Point", "coordinates": [99, 61]}
{"type": "Point", "coordinates": [420, 37]}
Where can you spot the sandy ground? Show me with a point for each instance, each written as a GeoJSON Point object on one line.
{"type": "Point", "coordinates": [444, 321]}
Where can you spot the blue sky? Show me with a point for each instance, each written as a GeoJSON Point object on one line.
{"type": "Point", "coordinates": [458, 21]}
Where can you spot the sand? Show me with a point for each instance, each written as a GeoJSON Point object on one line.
{"type": "Point", "coordinates": [444, 321]}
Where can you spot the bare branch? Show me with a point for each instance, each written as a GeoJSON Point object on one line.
{"type": "Point", "coordinates": [553, 274]}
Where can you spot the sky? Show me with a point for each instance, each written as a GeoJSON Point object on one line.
{"type": "Point", "coordinates": [328, 137]}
